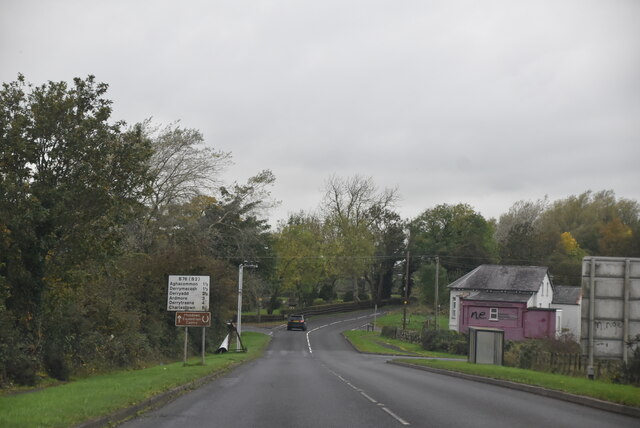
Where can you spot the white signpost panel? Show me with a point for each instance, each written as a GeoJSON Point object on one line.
{"type": "Point", "coordinates": [188, 293]}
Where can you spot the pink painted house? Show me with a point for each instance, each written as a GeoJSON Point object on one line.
{"type": "Point", "coordinates": [516, 299]}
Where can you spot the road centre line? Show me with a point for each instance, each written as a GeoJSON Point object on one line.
{"type": "Point", "coordinates": [396, 417]}
{"type": "Point", "coordinates": [364, 394]}
{"type": "Point", "coordinates": [333, 323]}
{"type": "Point", "coordinates": [309, 343]}
{"type": "Point", "coordinates": [368, 397]}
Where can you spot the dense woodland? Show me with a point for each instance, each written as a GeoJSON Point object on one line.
{"type": "Point", "coordinates": [95, 214]}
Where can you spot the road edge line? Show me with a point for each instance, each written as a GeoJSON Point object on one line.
{"type": "Point", "coordinates": [552, 393]}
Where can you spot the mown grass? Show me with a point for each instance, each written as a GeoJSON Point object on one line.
{"type": "Point", "coordinates": [372, 342]}
{"type": "Point", "coordinates": [621, 394]}
{"type": "Point", "coordinates": [92, 397]}
{"type": "Point", "coordinates": [414, 321]}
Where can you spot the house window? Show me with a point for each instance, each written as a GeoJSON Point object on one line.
{"type": "Point", "coordinates": [453, 308]}
{"type": "Point", "coordinates": [493, 314]}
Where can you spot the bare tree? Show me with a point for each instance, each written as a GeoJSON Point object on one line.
{"type": "Point", "coordinates": [352, 206]}
{"type": "Point", "coordinates": [356, 200]}
{"type": "Point", "coordinates": [520, 213]}
{"type": "Point", "coordinates": [181, 167]}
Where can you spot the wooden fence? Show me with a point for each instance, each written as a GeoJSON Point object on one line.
{"type": "Point", "coordinates": [321, 310]}
{"type": "Point", "coordinates": [550, 362]}
{"type": "Point", "coordinates": [574, 365]}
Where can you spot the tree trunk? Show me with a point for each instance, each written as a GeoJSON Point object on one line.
{"type": "Point", "coordinates": [356, 297]}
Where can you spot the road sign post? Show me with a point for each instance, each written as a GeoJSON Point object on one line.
{"type": "Point", "coordinates": [188, 295]}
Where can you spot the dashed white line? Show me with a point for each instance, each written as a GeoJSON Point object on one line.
{"type": "Point", "coordinates": [396, 417]}
{"type": "Point", "coordinates": [368, 397]}
{"type": "Point", "coordinates": [364, 394]}
{"type": "Point", "coordinates": [309, 343]}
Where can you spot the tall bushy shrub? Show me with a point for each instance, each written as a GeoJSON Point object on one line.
{"type": "Point", "coordinates": [631, 370]}
{"type": "Point", "coordinates": [444, 341]}
{"type": "Point", "coordinates": [525, 353]}
{"type": "Point", "coordinates": [389, 331]}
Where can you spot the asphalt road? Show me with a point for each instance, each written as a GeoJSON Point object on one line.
{"type": "Point", "coordinates": [316, 379]}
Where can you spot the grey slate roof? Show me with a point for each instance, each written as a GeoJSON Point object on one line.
{"type": "Point", "coordinates": [498, 296]}
{"type": "Point", "coordinates": [566, 295]}
{"type": "Point", "coordinates": [526, 279]}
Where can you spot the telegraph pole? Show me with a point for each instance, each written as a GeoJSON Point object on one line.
{"type": "Point", "coordinates": [436, 293]}
{"type": "Point", "coordinates": [406, 293]}
{"type": "Point", "coordinates": [239, 321]}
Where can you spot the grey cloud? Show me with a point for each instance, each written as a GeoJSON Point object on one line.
{"type": "Point", "coordinates": [450, 101]}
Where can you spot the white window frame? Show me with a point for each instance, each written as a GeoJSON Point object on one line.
{"type": "Point", "coordinates": [493, 314]}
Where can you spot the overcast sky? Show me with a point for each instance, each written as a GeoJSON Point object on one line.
{"type": "Point", "coordinates": [480, 102]}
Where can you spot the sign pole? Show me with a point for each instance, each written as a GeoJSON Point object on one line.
{"type": "Point", "coordinates": [186, 339]}
{"type": "Point", "coordinates": [203, 329]}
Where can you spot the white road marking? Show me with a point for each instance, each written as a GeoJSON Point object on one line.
{"type": "Point", "coordinates": [396, 417]}
{"type": "Point", "coordinates": [336, 322]}
{"type": "Point", "coordinates": [309, 343]}
{"type": "Point", "coordinates": [368, 397]}
{"type": "Point", "coordinates": [364, 394]}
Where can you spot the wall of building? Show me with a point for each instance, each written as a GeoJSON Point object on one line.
{"type": "Point", "coordinates": [539, 323]}
{"type": "Point", "coordinates": [479, 314]}
{"type": "Point", "coordinates": [454, 309]}
{"type": "Point", "coordinates": [570, 320]}
{"type": "Point", "coordinates": [544, 296]}
{"type": "Point", "coordinates": [517, 321]}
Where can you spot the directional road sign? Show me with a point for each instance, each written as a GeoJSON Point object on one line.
{"type": "Point", "coordinates": [188, 293]}
{"type": "Point", "coordinates": [193, 319]}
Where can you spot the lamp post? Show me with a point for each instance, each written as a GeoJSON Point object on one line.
{"type": "Point", "coordinates": [239, 321]}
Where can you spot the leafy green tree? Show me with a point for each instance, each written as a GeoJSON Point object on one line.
{"type": "Point", "coordinates": [462, 238]}
{"type": "Point", "coordinates": [517, 233]}
{"type": "Point", "coordinates": [236, 225]}
{"type": "Point", "coordinates": [586, 217]}
{"type": "Point", "coordinates": [426, 280]}
{"type": "Point", "coordinates": [69, 180]}
{"type": "Point", "coordinates": [388, 230]}
{"type": "Point", "coordinates": [616, 238]}
{"type": "Point", "coordinates": [301, 267]}
{"type": "Point", "coordinates": [558, 235]}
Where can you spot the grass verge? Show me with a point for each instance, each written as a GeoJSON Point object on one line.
{"type": "Point", "coordinates": [415, 321]}
{"type": "Point", "coordinates": [372, 342]}
{"type": "Point", "coordinates": [89, 398]}
{"type": "Point", "coordinates": [621, 394]}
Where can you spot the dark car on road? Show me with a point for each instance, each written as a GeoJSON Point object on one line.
{"type": "Point", "coordinates": [296, 321]}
